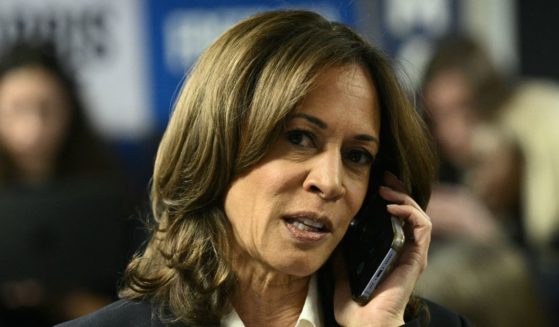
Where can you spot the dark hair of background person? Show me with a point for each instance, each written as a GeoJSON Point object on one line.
{"type": "Point", "coordinates": [464, 55]}
{"type": "Point", "coordinates": [82, 152]}
{"type": "Point", "coordinates": [231, 109]}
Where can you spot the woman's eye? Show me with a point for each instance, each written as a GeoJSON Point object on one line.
{"type": "Point", "coordinates": [360, 157]}
{"type": "Point", "coordinates": [301, 138]}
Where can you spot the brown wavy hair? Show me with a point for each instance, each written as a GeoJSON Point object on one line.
{"type": "Point", "coordinates": [232, 107]}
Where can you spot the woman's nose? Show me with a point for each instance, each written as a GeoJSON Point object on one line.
{"type": "Point", "coordinates": [325, 177]}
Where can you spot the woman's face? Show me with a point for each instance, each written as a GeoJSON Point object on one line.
{"type": "Point", "coordinates": [34, 115]}
{"type": "Point", "coordinates": [290, 211]}
{"type": "Point", "coordinates": [448, 100]}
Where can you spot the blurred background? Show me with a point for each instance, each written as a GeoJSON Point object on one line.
{"type": "Point", "coordinates": [87, 87]}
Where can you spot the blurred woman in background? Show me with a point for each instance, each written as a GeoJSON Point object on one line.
{"type": "Point", "coordinates": [44, 133]}
{"type": "Point", "coordinates": [500, 142]}
{"type": "Point", "coordinates": [461, 89]}
{"type": "Point", "coordinates": [59, 184]}
{"type": "Point", "coordinates": [515, 172]}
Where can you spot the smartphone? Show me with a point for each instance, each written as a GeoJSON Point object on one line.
{"type": "Point", "coordinates": [371, 246]}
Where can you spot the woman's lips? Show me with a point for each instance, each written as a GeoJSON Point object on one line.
{"type": "Point", "coordinates": [307, 227]}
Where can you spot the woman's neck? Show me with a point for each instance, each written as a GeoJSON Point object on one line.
{"type": "Point", "coordinates": [266, 297]}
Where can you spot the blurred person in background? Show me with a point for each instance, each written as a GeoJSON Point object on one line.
{"type": "Point", "coordinates": [515, 172]}
{"type": "Point", "coordinates": [43, 126]}
{"type": "Point", "coordinates": [502, 141]}
{"type": "Point", "coordinates": [488, 282]}
{"type": "Point", "coordinates": [498, 141]}
{"type": "Point", "coordinates": [461, 88]}
{"type": "Point", "coordinates": [58, 184]}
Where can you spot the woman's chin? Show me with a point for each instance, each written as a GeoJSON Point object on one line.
{"type": "Point", "coordinates": [300, 267]}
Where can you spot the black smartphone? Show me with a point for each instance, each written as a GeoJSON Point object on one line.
{"type": "Point", "coordinates": [371, 245]}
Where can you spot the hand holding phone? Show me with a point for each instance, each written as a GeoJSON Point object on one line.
{"type": "Point", "coordinates": [388, 306]}
{"type": "Point", "coordinates": [371, 246]}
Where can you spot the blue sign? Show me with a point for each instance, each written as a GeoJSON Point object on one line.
{"type": "Point", "coordinates": [180, 30]}
{"type": "Point", "coordinates": [409, 30]}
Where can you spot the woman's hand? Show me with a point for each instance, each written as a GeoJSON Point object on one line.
{"type": "Point", "coordinates": [389, 300]}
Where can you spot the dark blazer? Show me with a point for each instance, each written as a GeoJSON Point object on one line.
{"type": "Point", "coordinates": [125, 313]}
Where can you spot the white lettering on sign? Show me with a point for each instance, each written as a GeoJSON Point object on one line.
{"type": "Point", "coordinates": [188, 32]}
{"type": "Point", "coordinates": [103, 41]}
{"type": "Point", "coordinates": [403, 16]}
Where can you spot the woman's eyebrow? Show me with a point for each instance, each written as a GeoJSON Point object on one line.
{"type": "Point", "coordinates": [367, 137]}
{"type": "Point", "coordinates": [322, 125]}
{"type": "Point", "coordinates": [312, 119]}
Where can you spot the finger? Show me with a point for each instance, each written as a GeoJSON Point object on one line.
{"type": "Point", "coordinates": [413, 258]}
{"type": "Point", "coordinates": [403, 199]}
{"type": "Point", "coordinates": [411, 216]}
{"type": "Point", "coordinates": [418, 224]}
{"type": "Point", "coordinates": [394, 182]}
{"type": "Point", "coordinates": [394, 196]}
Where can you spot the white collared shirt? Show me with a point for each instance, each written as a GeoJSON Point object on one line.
{"type": "Point", "coordinates": [310, 315]}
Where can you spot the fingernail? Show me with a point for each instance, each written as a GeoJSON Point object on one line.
{"type": "Point", "coordinates": [386, 188]}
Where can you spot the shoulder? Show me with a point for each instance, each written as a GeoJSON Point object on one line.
{"type": "Point", "coordinates": [121, 313]}
{"type": "Point", "coordinates": [438, 316]}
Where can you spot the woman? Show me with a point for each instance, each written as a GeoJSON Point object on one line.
{"type": "Point", "coordinates": [515, 171]}
{"type": "Point", "coordinates": [265, 161]}
{"type": "Point", "coordinates": [461, 86]}
{"type": "Point", "coordinates": [43, 127]}
{"type": "Point", "coordinates": [53, 163]}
